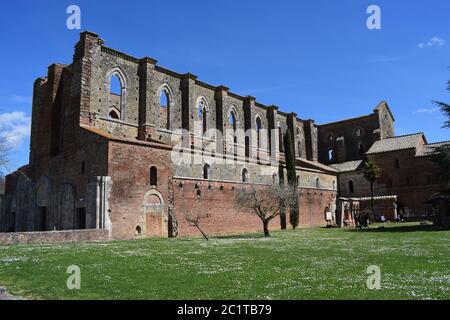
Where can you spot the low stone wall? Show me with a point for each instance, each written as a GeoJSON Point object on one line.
{"type": "Point", "coordinates": [54, 236]}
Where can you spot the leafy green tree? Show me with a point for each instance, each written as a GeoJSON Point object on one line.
{"type": "Point", "coordinates": [289, 154]}
{"type": "Point", "coordinates": [442, 158]}
{"type": "Point", "coordinates": [445, 108]}
{"type": "Point", "coordinates": [372, 172]}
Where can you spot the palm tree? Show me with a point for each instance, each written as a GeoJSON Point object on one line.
{"type": "Point", "coordinates": [445, 108]}
{"type": "Point", "coordinates": [442, 157]}
{"type": "Point", "coordinates": [372, 172]}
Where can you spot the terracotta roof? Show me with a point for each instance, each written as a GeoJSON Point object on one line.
{"type": "Point", "coordinates": [396, 143]}
{"type": "Point", "coordinates": [347, 166]}
{"type": "Point", "coordinates": [97, 131]}
{"type": "Point", "coordinates": [315, 165]}
{"type": "Point", "coordinates": [430, 149]}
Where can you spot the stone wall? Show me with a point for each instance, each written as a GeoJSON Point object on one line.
{"type": "Point", "coordinates": [347, 140]}
{"type": "Point", "coordinates": [142, 84]}
{"type": "Point", "coordinates": [53, 237]}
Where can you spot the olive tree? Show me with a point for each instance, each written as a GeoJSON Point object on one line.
{"type": "Point", "coordinates": [265, 202]}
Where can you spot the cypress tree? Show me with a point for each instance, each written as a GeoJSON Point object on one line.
{"type": "Point", "coordinates": [289, 153]}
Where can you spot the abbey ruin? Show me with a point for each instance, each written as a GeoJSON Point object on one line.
{"type": "Point", "coordinates": [107, 160]}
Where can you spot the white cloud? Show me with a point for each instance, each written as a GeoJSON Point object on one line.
{"type": "Point", "coordinates": [427, 110]}
{"type": "Point", "coordinates": [433, 42]}
{"type": "Point", "coordinates": [14, 128]}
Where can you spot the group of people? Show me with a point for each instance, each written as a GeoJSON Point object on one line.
{"type": "Point", "coordinates": [361, 220]}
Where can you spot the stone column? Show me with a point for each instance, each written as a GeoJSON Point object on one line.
{"type": "Point", "coordinates": [272, 113]}
{"type": "Point", "coordinates": [292, 127]}
{"type": "Point", "coordinates": [85, 50]}
{"type": "Point", "coordinates": [97, 203]}
{"type": "Point", "coordinates": [250, 127]}
{"type": "Point", "coordinates": [188, 106]}
{"type": "Point", "coordinates": [311, 140]}
{"type": "Point", "coordinates": [221, 96]}
{"type": "Point", "coordinates": [147, 113]}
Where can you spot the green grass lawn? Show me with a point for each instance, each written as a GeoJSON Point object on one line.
{"type": "Point", "coordinates": [302, 264]}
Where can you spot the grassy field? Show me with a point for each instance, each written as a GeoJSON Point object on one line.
{"type": "Point", "coordinates": [303, 264]}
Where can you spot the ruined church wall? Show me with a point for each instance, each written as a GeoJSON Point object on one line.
{"type": "Point", "coordinates": [143, 81]}
{"type": "Point", "coordinates": [129, 169]}
{"type": "Point", "coordinates": [354, 132]}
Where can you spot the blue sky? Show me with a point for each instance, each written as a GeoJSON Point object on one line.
{"type": "Point", "coordinates": [315, 58]}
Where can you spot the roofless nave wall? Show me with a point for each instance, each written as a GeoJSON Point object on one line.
{"type": "Point", "coordinates": [102, 142]}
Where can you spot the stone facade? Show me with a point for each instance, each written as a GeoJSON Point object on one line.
{"type": "Point", "coordinates": [126, 162]}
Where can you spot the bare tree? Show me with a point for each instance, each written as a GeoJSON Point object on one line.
{"type": "Point", "coordinates": [194, 218]}
{"type": "Point", "coordinates": [2, 183]}
{"type": "Point", "coordinates": [194, 215]}
{"type": "Point", "coordinates": [5, 149]}
{"type": "Point", "coordinates": [266, 202]}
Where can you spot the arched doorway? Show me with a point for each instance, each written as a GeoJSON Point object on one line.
{"type": "Point", "coordinates": [155, 223]}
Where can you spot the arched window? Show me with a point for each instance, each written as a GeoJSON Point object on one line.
{"type": "Point", "coordinates": [206, 171]}
{"type": "Point", "coordinates": [232, 122]}
{"type": "Point", "coordinates": [113, 113]}
{"type": "Point", "coordinates": [164, 99]}
{"type": "Point", "coordinates": [317, 183]}
{"type": "Point", "coordinates": [361, 149]}
{"type": "Point", "coordinates": [330, 155]}
{"type": "Point", "coordinates": [115, 86]}
{"type": "Point", "coordinates": [334, 185]}
{"type": "Point", "coordinates": [164, 104]}
{"type": "Point", "coordinates": [116, 96]}
{"type": "Point", "coordinates": [298, 181]}
{"type": "Point", "coordinates": [258, 131]}
{"type": "Point", "coordinates": [351, 187]}
{"type": "Point", "coordinates": [202, 115]}
{"type": "Point", "coordinates": [244, 175]}
{"type": "Point", "coordinates": [299, 147]}
{"type": "Point", "coordinates": [138, 230]}
{"type": "Point", "coordinates": [153, 176]}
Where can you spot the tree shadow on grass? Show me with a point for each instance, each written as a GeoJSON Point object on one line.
{"type": "Point", "coordinates": [400, 229]}
{"type": "Point", "coordinates": [241, 236]}
{"type": "Point", "coordinates": [227, 237]}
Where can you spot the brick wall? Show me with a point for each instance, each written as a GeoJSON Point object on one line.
{"type": "Point", "coordinates": [414, 181]}
{"type": "Point", "coordinates": [217, 198]}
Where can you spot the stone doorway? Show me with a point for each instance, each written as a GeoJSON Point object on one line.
{"type": "Point", "coordinates": [155, 219]}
